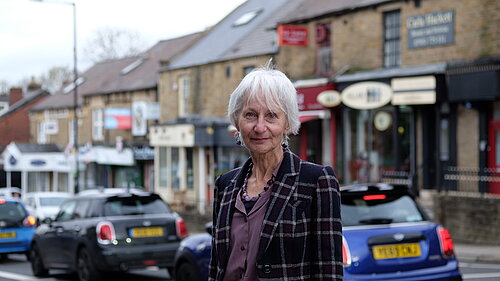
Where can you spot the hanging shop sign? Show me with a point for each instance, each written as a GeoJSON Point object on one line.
{"type": "Point", "coordinates": [292, 35]}
{"type": "Point", "coordinates": [432, 29]}
{"type": "Point", "coordinates": [366, 95]}
{"type": "Point", "coordinates": [414, 90]}
{"type": "Point", "coordinates": [117, 118]}
{"type": "Point", "coordinates": [329, 98]}
{"type": "Point", "coordinates": [139, 122]}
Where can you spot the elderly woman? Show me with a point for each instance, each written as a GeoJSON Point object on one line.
{"type": "Point", "coordinates": [277, 217]}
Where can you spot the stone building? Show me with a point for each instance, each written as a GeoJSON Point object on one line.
{"type": "Point", "coordinates": [117, 102]}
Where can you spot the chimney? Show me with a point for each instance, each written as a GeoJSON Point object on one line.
{"type": "Point", "coordinates": [33, 85]}
{"type": "Point", "coordinates": [15, 95]}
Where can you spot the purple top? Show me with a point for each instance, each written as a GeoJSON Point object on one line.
{"type": "Point", "coordinates": [245, 236]}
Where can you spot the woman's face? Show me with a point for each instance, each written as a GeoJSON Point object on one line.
{"type": "Point", "coordinates": [262, 129]}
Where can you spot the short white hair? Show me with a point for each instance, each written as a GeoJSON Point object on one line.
{"type": "Point", "coordinates": [271, 88]}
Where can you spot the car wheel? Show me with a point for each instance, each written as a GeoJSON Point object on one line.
{"type": "Point", "coordinates": [36, 261]}
{"type": "Point", "coordinates": [187, 272]}
{"type": "Point", "coordinates": [85, 268]}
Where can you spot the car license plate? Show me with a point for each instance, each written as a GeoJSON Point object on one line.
{"type": "Point", "coordinates": [396, 251]}
{"type": "Point", "coordinates": [7, 235]}
{"type": "Point", "coordinates": [141, 232]}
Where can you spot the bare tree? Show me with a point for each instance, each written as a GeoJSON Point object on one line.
{"type": "Point", "coordinates": [113, 43]}
{"type": "Point", "coordinates": [55, 77]}
{"type": "Point", "coordinates": [4, 87]}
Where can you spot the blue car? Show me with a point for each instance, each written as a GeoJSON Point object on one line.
{"type": "Point", "coordinates": [387, 236]}
{"type": "Point", "coordinates": [16, 227]}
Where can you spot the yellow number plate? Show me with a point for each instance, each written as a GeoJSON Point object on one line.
{"type": "Point", "coordinates": [141, 232]}
{"type": "Point", "coordinates": [396, 251]}
{"type": "Point", "coordinates": [7, 235]}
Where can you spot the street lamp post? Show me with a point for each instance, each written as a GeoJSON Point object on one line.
{"type": "Point", "coordinates": [75, 94]}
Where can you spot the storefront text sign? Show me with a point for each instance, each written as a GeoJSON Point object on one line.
{"type": "Point", "coordinates": [414, 90]}
{"type": "Point", "coordinates": [432, 29]}
{"type": "Point", "coordinates": [181, 135]}
{"type": "Point", "coordinates": [367, 95]}
{"type": "Point", "coordinates": [329, 98]}
{"type": "Point", "coordinates": [292, 35]}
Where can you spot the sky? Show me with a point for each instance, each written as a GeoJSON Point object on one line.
{"type": "Point", "coordinates": [35, 36]}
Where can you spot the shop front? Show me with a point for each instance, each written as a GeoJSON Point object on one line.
{"type": "Point", "coordinates": [108, 167]}
{"type": "Point", "coordinates": [43, 167]}
{"type": "Point", "coordinates": [387, 124]}
{"type": "Point", "coordinates": [190, 153]}
{"type": "Point", "coordinates": [317, 138]}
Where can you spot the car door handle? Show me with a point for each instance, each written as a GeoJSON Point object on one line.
{"type": "Point", "coordinates": [59, 229]}
{"type": "Point", "coordinates": [77, 228]}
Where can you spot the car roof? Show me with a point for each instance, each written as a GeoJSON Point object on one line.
{"type": "Point", "coordinates": [48, 194]}
{"type": "Point", "coordinates": [109, 192]}
{"type": "Point", "coordinates": [374, 187]}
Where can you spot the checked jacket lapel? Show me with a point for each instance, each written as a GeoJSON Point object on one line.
{"type": "Point", "coordinates": [282, 190]}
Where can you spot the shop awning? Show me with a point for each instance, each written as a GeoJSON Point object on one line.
{"type": "Point", "coordinates": [305, 118]}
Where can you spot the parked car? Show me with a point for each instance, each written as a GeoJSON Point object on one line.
{"type": "Point", "coordinates": [9, 192]}
{"type": "Point", "coordinates": [101, 232]}
{"type": "Point", "coordinates": [16, 227]}
{"type": "Point", "coordinates": [44, 204]}
{"type": "Point", "coordinates": [387, 236]}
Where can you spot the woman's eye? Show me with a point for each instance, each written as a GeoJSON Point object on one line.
{"type": "Point", "coordinates": [250, 115]}
{"type": "Point", "coordinates": [272, 115]}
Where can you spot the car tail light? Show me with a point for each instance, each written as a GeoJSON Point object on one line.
{"type": "Point", "coordinates": [29, 221]}
{"type": "Point", "coordinates": [374, 197]}
{"type": "Point", "coordinates": [181, 228]}
{"type": "Point", "coordinates": [2, 201]}
{"type": "Point", "coordinates": [346, 253]}
{"type": "Point", "coordinates": [105, 232]}
{"type": "Point", "coordinates": [446, 242]}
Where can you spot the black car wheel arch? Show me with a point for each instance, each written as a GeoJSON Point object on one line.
{"type": "Point", "coordinates": [187, 271]}
{"type": "Point", "coordinates": [186, 267]}
{"type": "Point", "coordinates": [36, 261]}
{"type": "Point", "coordinates": [85, 268]}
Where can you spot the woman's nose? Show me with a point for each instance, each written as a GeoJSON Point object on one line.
{"type": "Point", "coordinates": [260, 127]}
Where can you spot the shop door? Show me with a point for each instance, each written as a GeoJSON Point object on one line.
{"type": "Point", "coordinates": [494, 156]}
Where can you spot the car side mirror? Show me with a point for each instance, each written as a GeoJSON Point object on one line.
{"type": "Point", "coordinates": [208, 227]}
{"type": "Point", "coordinates": [47, 221]}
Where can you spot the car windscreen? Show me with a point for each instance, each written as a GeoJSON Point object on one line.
{"type": "Point", "coordinates": [51, 201]}
{"type": "Point", "coordinates": [12, 212]}
{"type": "Point", "coordinates": [363, 209]}
{"type": "Point", "coordinates": [135, 205]}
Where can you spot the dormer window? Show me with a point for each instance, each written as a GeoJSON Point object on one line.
{"type": "Point", "coordinates": [132, 66]}
{"type": "Point", "coordinates": [246, 18]}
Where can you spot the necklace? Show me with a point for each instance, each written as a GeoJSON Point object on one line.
{"type": "Point", "coordinates": [244, 194]}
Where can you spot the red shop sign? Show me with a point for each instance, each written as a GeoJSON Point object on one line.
{"type": "Point", "coordinates": [292, 35]}
{"type": "Point", "coordinates": [307, 97]}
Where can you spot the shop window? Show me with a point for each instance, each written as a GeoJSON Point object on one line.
{"type": "Point", "coordinates": [97, 125]}
{"type": "Point", "coordinates": [189, 168]}
{"type": "Point", "coordinates": [392, 39]}
{"type": "Point", "coordinates": [184, 92]}
{"type": "Point", "coordinates": [162, 174]}
{"type": "Point", "coordinates": [62, 182]}
{"type": "Point", "coordinates": [323, 52]}
{"type": "Point", "coordinates": [175, 168]}
{"type": "Point", "coordinates": [228, 158]}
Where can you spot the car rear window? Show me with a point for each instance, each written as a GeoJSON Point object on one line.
{"type": "Point", "coordinates": [12, 212]}
{"type": "Point", "coordinates": [135, 205]}
{"type": "Point", "coordinates": [363, 209]}
{"type": "Point", "coordinates": [51, 201]}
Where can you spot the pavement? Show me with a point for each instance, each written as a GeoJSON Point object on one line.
{"type": "Point", "coordinates": [477, 253]}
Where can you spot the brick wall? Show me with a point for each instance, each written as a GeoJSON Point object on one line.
{"type": "Point", "coordinates": [15, 127]}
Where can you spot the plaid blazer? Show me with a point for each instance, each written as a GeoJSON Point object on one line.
{"type": "Point", "coordinates": [301, 235]}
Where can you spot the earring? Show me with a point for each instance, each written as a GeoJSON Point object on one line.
{"type": "Point", "coordinates": [237, 138]}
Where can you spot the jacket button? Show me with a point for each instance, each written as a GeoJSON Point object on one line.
{"type": "Point", "coordinates": [267, 268]}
